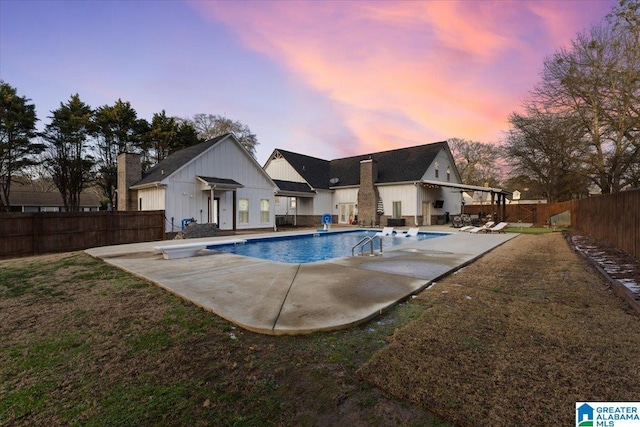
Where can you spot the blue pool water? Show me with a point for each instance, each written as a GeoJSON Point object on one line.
{"type": "Point", "coordinates": [313, 247]}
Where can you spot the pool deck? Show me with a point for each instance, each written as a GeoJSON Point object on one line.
{"type": "Point", "coordinates": [287, 299]}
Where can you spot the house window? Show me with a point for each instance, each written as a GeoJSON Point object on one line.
{"type": "Point", "coordinates": [277, 200]}
{"type": "Point", "coordinates": [437, 169]}
{"type": "Point", "coordinates": [264, 210]}
{"type": "Point", "coordinates": [448, 173]}
{"type": "Point", "coordinates": [397, 210]}
{"type": "Point", "coordinates": [292, 203]}
{"type": "Point", "coordinates": [243, 211]}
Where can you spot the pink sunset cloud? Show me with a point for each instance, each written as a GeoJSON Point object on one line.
{"type": "Point", "coordinates": [406, 73]}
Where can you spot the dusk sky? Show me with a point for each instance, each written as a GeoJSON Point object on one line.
{"type": "Point", "coordinates": [328, 79]}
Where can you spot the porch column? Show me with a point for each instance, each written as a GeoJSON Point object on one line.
{"type": "Point", "coordinates": [494, 213]}
{"type": "Point", "coordinates": [504, 207]}
{"type": "Point", "coordinates": [235, 208]}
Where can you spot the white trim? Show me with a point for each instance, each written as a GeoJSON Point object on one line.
{"type": "Point", "coordinates": [465, 186]}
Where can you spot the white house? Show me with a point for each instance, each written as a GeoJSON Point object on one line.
{"type": "Point", "coordinates": [216, 181]}
{"type": "Point", "coordinates": [408, 186]}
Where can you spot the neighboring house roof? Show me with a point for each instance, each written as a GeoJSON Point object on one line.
{"type": "Point", "coordinates": [315, 171]}
{"type": "Point", "coordinates": [22, 195]}
{"type": "Point", "coordinates": [526, 194]}
{"type": "Point", "coordinates": [293, 187]}
{"type": "Point", "coordinates": [175, 161]}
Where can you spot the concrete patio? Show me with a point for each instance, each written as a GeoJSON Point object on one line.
{"type": "Point", "coordinates": [277, 298]}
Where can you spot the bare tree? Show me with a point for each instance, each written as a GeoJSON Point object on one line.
{"type": "Point", "coordinates": [544, 147]}
{"type": "Point", "coordinates": [477, 163]}
{"type": "Point", "coordinates": [37, 174]}
{"type": "Point", "coordinates": [597, 80]}
{"type": "Point", "coordinates": [209, 126]}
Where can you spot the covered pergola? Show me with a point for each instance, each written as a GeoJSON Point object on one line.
{"type": "Point", "coordinates": [498, 195]}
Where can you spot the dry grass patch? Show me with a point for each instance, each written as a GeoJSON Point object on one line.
{"type": "Point", "coordinates": [515, 339]}
{"type": "Point", "coordinates": [85, 344]}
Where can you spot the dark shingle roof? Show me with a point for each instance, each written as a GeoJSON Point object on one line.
{"type": "Point", "coordinates": [220, 181]}
{"type": "Point", "coordinates": [23, 195]}
{"type": "Point", "coordinates": [400, 165]}
{"type": "Point", "coordinates": [290, 186]}
{"type": "Point", "coordinates": [176, 160]}
{"type": "Point", "coordinates": [315, 171]}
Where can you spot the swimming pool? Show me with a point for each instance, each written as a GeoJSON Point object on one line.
{"type": "Point", "coordinates": [313, 247]}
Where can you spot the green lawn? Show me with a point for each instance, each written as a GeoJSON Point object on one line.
{"type": "Point", "coordinates": [535, 230]}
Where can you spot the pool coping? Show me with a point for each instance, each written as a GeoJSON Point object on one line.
{"type": "Point", "coordinates": [287, 299]}
{"type": "Point", "coordinates": [318, 233]}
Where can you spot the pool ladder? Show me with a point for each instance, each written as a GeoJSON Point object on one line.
{"type": "Point", "coordinates": [363, 242]}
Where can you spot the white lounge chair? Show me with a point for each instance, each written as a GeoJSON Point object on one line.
{"type": "Point", "coordinates": [482, 228]}
{"type": "Point", "coordinates": [386, 231]}
{"type": "Point", "coordinates": [499, 228]}
{"type": "Point", "coordinates": [410, 232]}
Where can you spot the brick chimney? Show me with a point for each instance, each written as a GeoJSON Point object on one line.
{"type": "Point", "coordinates": [129, 172]}
{"type": "Point", "coordinates": [368, 193]}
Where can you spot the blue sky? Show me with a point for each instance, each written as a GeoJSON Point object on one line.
{"type": "Point", "coordinates": [328, 79]}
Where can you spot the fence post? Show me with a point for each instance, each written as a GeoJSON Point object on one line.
{"type": "Point", "coordinates": [34, 235]}
{"type": "Point", "coordinates": [107, 217]}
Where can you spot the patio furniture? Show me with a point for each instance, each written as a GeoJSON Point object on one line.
{"type": "Point", "coordinates": [410, 232]}
{"type": "Point", "coordinates": [386, 231]}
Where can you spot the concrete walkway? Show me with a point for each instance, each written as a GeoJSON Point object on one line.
{"type": "Point", "coordinates": [277, 298]}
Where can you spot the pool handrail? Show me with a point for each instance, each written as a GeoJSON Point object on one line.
{"type": "Point", "coordinates": [363, 242]}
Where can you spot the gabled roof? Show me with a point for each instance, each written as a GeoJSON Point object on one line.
{"type": "Point", "coordinates": [176, 160]}
{"type": "Point", "coordinates": [219, 182]}
{"type": "Point", "coordinates": [293, 187]}
{"type": "Point", "coordinates": [315, 171]}
{"type": "Point", "coordinates": [400, 165]}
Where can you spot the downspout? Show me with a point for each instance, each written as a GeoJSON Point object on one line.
{"type": "Point", "coordinates": [275, 226]}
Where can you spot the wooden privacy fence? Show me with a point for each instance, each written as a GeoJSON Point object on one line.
{"type": "Point", "coordinates": [613, 219]}
{"type": "Point", "coordinates": [537, 214]}
{"type": "Point", "coordinates": [24, 234]}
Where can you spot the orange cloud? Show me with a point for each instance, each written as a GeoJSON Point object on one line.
{"type": "Point", "coordinates": [401, 73]}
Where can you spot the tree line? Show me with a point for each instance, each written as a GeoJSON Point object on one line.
{"type": "Point", "coordinates": [579, 130]}
{"type": "Point", "coordinates": [79, 146]}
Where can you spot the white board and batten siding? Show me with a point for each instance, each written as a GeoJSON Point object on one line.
{"type": "Point", "coordinates": [404, 193]}
{"type": "Point", "coordinates": [150, 199]}
{"type": "Point", "coordinates": [186, 198]}
{"type": "Point", "coordinates": [342, 196]}
{"type": "Point", "coordinates": [323, 202]}
{"type": "Point", "coordinates": [451, 197]}
{"type": "Point", "coordinates": [282, 170]}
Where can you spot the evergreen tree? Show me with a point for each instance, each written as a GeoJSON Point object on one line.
{"type": "Point", "coordinates": [17, 130]}
{"type": "Point", "coordinates": [67, 157]}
